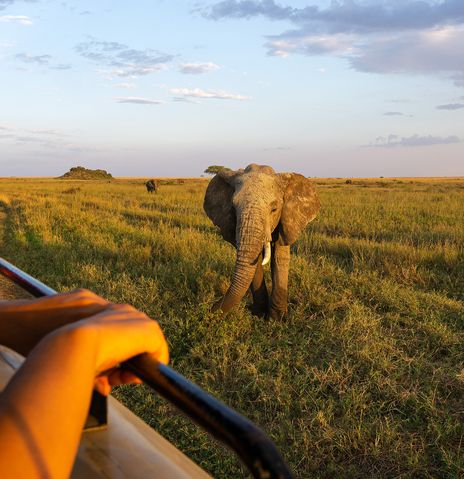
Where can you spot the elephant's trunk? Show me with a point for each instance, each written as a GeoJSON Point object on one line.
{"type": "Point", "coordinates": [250, 241]}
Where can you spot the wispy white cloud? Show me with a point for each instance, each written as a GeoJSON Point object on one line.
{"type": "Point", "coordinates": [396, 141]}
{"type": "Point", "coordinates": [130, 71]}
{"type": "Point", "coordinates": [40, 141]}
{"type": "Point", "coordinates": [37, 59]}
{"type": "Point", "coordinates": [21, 19]}
{"type": "Point", "coordinates": [47, 131]}
{"type": "Point", "coordinates": [127, 86]}
{"type": "Point", "coordinates": [182, 99]}
{"type": "Point", "coordinates": [61, 66]}
{"type": "Point", "coordinates": [197, 68]}
{"type": "Point", "coordinates": [278, 148]}
{"type": "Point", "coordinates": [123, 60]}
{"type": "Point", "coordinates": [41, 60]}
{"type": "Point", "coordinates": [6, 3]}
{"type": "Point", "coordinates": [215, 94]}
{"type": "Point", "coordinates": [399, 100]}
{"type": "Point", "coordinates": [451, 106]}
{"type": "Point", "coordinates": [43, 137]}
{"type": "Point", "coordinates": [138, 100]}
{"type": "Point", "coordinates": [340, 44]}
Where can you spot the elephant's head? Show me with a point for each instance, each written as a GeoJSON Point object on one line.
{"type": "Point", "coordinates": [252, 208]}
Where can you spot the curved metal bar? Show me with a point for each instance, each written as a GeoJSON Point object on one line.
{"type": "Point", "coordinates": [251, 444]}
{"type": "Point", "coordinates": [24, 281]}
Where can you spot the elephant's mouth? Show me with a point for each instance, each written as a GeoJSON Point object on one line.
{"type": "Point", "coordinates": [266, 253]}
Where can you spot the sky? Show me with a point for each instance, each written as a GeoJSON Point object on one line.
{"type": "Point", "coordinates": [326, 88]}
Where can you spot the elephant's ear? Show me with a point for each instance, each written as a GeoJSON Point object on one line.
{"type": "Point", "coordinates": [230, 176]}
{"type": "Point", "coordinates": [301, 205]}
{"type": "Point", "coordinates": [218, 206]}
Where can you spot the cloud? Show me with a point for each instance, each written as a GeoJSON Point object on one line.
{"type": "Point", "coordinates": [278, 148]}
{"type": "Point", "coordinates": [37, 59]}
{"type": "Point", "coordinates": [395, 141]}
{"type": "Point", "coordinates": [6, 3]}
{"type": "Point", "coordinates": [130, 72]}
{"type": "Point", "coordinates": [399, 100]}
{"type": "Point", "coordinates": [42, 132]}
{"type": "Point", "coordinates": [28, 139]}
{"type": "Point", "coordinates": [393, 113]}
{"type": "Point", "coordinates": [431, 51]}
{"type": "Point", "coordinates": [39, 140]}
{"type": "Point", "coordinates": [138, 100]}
{"type": "Point", "coordinates": [197, 68]}
{"type": "Point", "coordinates": [324, 44]}
{"type": "Point", "coordinates": [348, 16]}
{"type": "Point", "coordinates": [123, 60]}
{"type": "Point", "coordinates": [61, 66]}
{"type": "Point", "coordinates": [376, 36]}
{"type": "Point", "coordinates": [247, 9]}
{"type": "Point", "coordinates": [451, 106]}
{"type": "Point", "coordinates": [181, 99]}
{"type": "Point", "coordinates": [127, 86]}
{"type": "Point", "coordinates": [47, 131]}
{"type": "Point", "coordinates": [426, 51]}
{"type": "Point", "coordinates": [44, 137]}
{"type": "Point", "coordinates": [216, 94]}
{"type": "Point", "coordinates": [21, 19]}
{"type": "Point", "coordinates": [41, 60]}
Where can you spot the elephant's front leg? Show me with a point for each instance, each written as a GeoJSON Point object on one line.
{"type": "Point", "coordinates": [280, 264]}
{"type": "Point", "coordinates": [259, 291]}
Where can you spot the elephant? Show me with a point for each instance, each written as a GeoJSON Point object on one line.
{"type": "Point", "coordinates": [152, 186]}
{"type": "Point", "coordinates": [261, 213]}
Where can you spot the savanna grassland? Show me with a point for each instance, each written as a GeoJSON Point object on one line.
{"type": "Point", "coordinates": [365, 376]}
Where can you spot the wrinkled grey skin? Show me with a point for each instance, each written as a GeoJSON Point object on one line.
{"type": "Point", "coordinates": [251, 207]}
{"type": "Point", "coordinates": [151, 186]}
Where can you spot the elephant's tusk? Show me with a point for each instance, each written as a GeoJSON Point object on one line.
{"type": "Point", "coordinates": [267, 253]}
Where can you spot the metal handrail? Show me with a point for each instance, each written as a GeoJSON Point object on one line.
{"type": "Point", "coordinates": [250, 443]}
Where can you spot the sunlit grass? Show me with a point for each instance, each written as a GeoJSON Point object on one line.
{"type": "Point", "coordinates": [365, 376]}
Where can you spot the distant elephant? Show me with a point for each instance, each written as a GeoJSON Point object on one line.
{"type": "Point", "coordinates": [254, 209]}
{"type": "Point", "coordinates": [152, 186]}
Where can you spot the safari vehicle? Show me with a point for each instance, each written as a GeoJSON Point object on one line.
{"type": "Point", "coordinates": [117, 444]}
